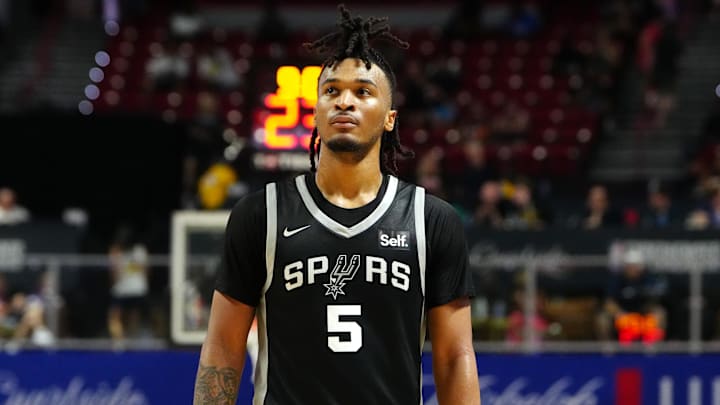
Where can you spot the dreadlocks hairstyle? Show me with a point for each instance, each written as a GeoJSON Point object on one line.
{"type": "Point", "coordinates": [352, 40]}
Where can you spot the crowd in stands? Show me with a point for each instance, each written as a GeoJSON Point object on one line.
{"type": "Point", "coordinates": [23, 315]}
{"type": "Point", "coordinates": [704, 163]}
{"type": "Point", "coordinates": [503, 92]}
{"type": "Point", "coordinates": [11, 212]}
{"type": "Point", "coordinates": [506, 205]}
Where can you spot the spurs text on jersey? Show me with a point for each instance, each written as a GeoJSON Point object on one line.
{"type": "Point", "coordinates": [376, 270]}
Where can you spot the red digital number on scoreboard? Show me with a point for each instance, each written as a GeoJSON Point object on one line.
{"type": "Point", "coordinates": [297, 91]}
{"type": "Point", "coordinates": [634, 326]}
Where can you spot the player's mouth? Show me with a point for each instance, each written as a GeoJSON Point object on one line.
{"type": "Point", "coordinates": [343, 121]}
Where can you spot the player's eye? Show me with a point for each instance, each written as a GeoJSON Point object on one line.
{"type": "Point", "coordinates": [330, 90]}
{"type": "Point", "coordinates": [364, 91]}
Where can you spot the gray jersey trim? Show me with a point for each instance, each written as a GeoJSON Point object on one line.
{"type": "Point", "coordinates": [421, 251]}
{"type": "Point", "coordinates": [261, 373]}
{"type": "Point", "coordinates": [340, 229]}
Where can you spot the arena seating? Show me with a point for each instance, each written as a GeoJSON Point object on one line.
{"type": "Point", "coordinates": [495, 70]}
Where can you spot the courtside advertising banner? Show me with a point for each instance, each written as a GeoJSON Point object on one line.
{"type": "Point", "coordinates": [167, 377]}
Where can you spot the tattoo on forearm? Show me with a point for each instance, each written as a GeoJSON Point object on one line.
{"type": "Point", "coordinates": [216, 386]}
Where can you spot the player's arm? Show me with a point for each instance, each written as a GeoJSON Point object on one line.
{"type": "Point", "coordinates": [237, 292]}
{"type": "Point", "coordinates": [448, 288]}
{"type": "Point", "coordinates": [454, 368]}
{"type": "Point", "coordinates": [223, 353]}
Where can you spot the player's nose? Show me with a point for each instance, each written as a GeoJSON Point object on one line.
{"type": "Point", "coordinates": [345, 101]}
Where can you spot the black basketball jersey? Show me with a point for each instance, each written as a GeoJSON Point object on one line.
{"type": "Point", "coordinates": [341, 311]}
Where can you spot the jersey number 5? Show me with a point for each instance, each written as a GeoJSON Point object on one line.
{"type": "Point", "coordinates": [335, 325]}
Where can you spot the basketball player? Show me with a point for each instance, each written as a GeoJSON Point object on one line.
{"type": "Point", "coordinates": [343, 266]}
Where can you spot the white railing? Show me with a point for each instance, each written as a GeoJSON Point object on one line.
{"type": "Point", "coordinates": [53, 264]}
{"type": "Point", "coordinates": [531, 343]}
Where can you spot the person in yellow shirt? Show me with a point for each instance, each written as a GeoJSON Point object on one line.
{"type": "Point", "coordinates": [214, 185]}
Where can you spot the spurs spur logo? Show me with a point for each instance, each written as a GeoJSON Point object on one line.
{"type": "Point", "coordinates": [342, 273]}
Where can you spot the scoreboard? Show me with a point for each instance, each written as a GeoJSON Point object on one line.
{"type": "Point", "coordinates": [283, 124]}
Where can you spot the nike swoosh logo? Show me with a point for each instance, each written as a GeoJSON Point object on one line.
{"type": "Point", "coordinates": [287, 233]}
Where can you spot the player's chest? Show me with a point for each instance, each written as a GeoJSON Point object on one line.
{"type": "Point", "coordinates": [381, 260]}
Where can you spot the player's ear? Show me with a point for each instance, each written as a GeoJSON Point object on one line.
{"type": "Point", "coordinates": [390, 120]}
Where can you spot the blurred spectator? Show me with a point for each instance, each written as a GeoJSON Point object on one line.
{"type": "Point", "coordinates": [491, 208]}
{"type": "Point", "coordinates": [646, 63]}
{"type": "Point", "coordinates": [660, 88]}
{"type": "Point", "coordinates": [647, 40]}
{"type": "Point", "coordinates": [206, 119]}
{"type": "Point", "coordinates": [166, 69]}
{"type": "Point", "coordinates": [196, 308]}
{"type": "Point", "coordinates": [27, 313]}
{"type": "Point", "coordinates": [129, 275]}
{"type": "Point", "coordinates": [632, 290]}
{"type": "Point", "coordinates": [713, 209]}
{"type": "Point", "coordinates": [706, 169]}
{"type": "Point", "coordinates": [219, 187]}
{"type": "Point", "coordinates": [216, 70]}
{"type": "Point", "coordinates": [11, 212]}
{"type": "Point", "coordinates": [697, 220]}
{"type": "Point", "coordinates": [204, 142]}
{"type": "Point", "coordinates": [517, 331]}
{"type": "Point", "coordinates": [707, 214]}
{"type": "Point", "coordinates": [22, 316]}
{"type": "Point", "coordinates": [600, 81]}
{"type": "Point", "coordinates": [707, 177]}
{"type": "Point", "coordinates": [705, 186]}
{"type": "Point", "coordinates": [477, 171]}
{"type": "Point", "coordinates": [659, 212]}
{"type": "Point", "coordinates": [11, 316]}
{"type": "Point", "coordinates": [599, 213]}
{"type": "Point", "coordinates": [523, 212]}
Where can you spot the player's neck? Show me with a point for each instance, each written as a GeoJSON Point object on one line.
{"type": "Point", "coordinates": [348, 185]}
